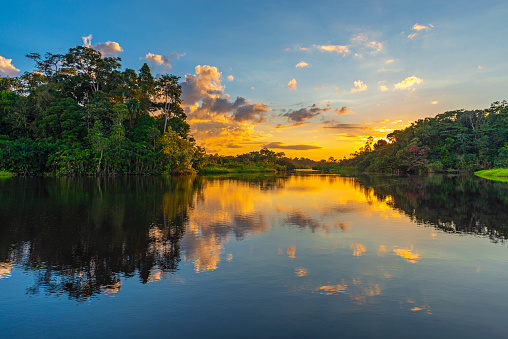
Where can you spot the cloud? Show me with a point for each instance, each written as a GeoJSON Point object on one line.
{"type": "Point", "coordinates": [359, 87]}
{"type": "Point", "coordinates": [281, 145]}
{"type": "Point", "coordinates": [177, 56]}
{"type": "Point", "coordinates": [418, 27]}
{"type": "Point", "coordinates": [389, 61]}
{"type": "Point", "coordinates": [206, 83]}
{"type": "Point", "coordinates": [160, 60]}
{"type": "Point", "coordinates": [302, 64]}
{"type": "Point", "coordinates": [382, 86]}
{"type": "Point", "coordinates": [376, 46]}
{"type": "Point", "coordinates": [367, 43]}
{"type": "Point", "coordinates": [334, 48]}
{"type": "Point", "coordinates": [342, 110]}
{"type": "Point", "coordinates": [408, 82]}
{"type": "Point", "coordinates": [87, 40]}
{"type": "Point", "coordinates": [434, 102]}
{"type": "Point", "coordinates": [215, 119]}
{"type": "Point", "coordinates": [251, 112]}
{"type": "Point", "coordinates": [7, 68]}
{"type": "Point", "coordinates": [292, 85]}
{"type": "Point", "coordinates": [107, 49]}
{"type": "Point", "coordinates": [299, 117]}
{"type": "Point", "coordinates": [340, 125]}
{"type": "Point", "coordinates": [231, 78]}
{"type": "Point", "coordinates": [163, 60]}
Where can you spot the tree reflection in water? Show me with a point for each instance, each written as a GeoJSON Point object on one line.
{"type": "Point", "coordinates": [81, 236]}
{"type": "Point", "coordinates": [457, 204]}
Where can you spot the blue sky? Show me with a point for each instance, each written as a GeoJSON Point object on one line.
{"type": "Point", "coordinates": [356, 57]}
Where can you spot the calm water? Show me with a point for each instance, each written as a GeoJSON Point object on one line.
{"type": "Point", "coordinates": [254, 256]}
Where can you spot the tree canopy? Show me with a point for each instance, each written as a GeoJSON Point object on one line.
{"type": "Point", "coordinates": [78, 113]}
{"type": "Point", "coordinates": [461, 140]}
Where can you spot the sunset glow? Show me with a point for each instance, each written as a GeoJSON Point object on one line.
{"type": "Point", "coordinates": [247, 80]}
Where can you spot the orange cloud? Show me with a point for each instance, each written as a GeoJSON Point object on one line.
{"type": "Point", "coordinates": [302, 64]}
{"type": "Point", "coordinates": [216, 121]}
{"type": "Point", "coordinates": [418, 27]}
{"type": "Point", "coordinates": [340, 49]}
{"type": "Point", "coordinates": [408, 82]}
{"type": "Point", "coordinates": [292, 85]}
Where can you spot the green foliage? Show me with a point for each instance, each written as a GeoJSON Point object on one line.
{"type": "Point", "coordinates": [497, 174]}
{"type": "Point", "coordinates": [263, 161]}
{"type": "Point", "coordinates": [450, 142]}
{"type": "Point", "coordinates": [78, 114]}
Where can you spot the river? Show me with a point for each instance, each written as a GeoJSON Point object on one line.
{"type": "Point", "coordinates": [303, 255]}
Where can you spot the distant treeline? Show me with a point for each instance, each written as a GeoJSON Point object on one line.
{"type": "Point", "coordinates": [454, 141]}
{"type": "Point", "coordinates": [76, 113]}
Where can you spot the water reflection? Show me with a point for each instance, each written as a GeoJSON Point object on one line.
{"type": "Point", "coordinates": [79, 237]}
{"type": "Point", "coordinates": [83, 237]}
{"type": "Point", "coordinates": [457, 204]}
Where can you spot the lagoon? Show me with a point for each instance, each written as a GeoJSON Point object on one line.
{"type": "Point", "coordinates": [254, 256]}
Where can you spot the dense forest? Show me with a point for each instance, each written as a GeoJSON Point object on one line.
{"type": "Point", "coordinates": [456, 141]}
{"type": "Point", "coordinates": [78, 114]}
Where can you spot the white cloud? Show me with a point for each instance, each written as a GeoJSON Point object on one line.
{"type": "Point", "coordinates": [107, 49]}
{"type": "Point", "coordinates": [434, 102]}
{"type": "Point", "coordinates": [364, 41]}
{"type": "Point", "coordinates": [231, 78]}
{"type": "Point", "coordinates": [163, 60]}
{"type": "Point", "coordinates": [412, 36]}
{"type": "Point", "coordinates": [408, 82]}
{"type": "Point", "coordinates": [87, 40]}
{"type": "Point", "coordinates": [7, 68]}
{"type": "Point", "coordinates": [359, 87]}
{"type": "Point", "coordinates": [292, 84]}
{"type": "Point", "coordinates": [389, 61]}
{"type": "Point", "coordinates": [301, 64]}
{"type": "Point", "coordinates": [383, 88]}
{"type": "Point", "coordinates": [160, 60]}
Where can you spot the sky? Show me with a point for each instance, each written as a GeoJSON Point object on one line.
{"type": "Point", "coordinates": [311, 79]}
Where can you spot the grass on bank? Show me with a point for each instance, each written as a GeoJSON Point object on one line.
{"type": "Point", "coordinates": [5, 175]}
{"type": "Point", "coordinates": [498, 174]}
{"type": "Point", "coordinates": [228, 170]}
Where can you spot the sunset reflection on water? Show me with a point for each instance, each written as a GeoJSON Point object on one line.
{"type": "Point", "coordinates": [258, 251]}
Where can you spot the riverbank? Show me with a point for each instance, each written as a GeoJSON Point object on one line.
{"type": "Point", "coordinates": [498, 174]}
{"type": "Point", "coordinates": [240, 169]}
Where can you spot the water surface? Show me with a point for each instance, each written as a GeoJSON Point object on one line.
{"type": "Point", "coordinates": [254, 256]}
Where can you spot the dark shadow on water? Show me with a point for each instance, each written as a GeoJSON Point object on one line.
{"type": "Point", "coordinates": [81, 235]}
{"type": "Point", "coordinates": [456, 204]}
